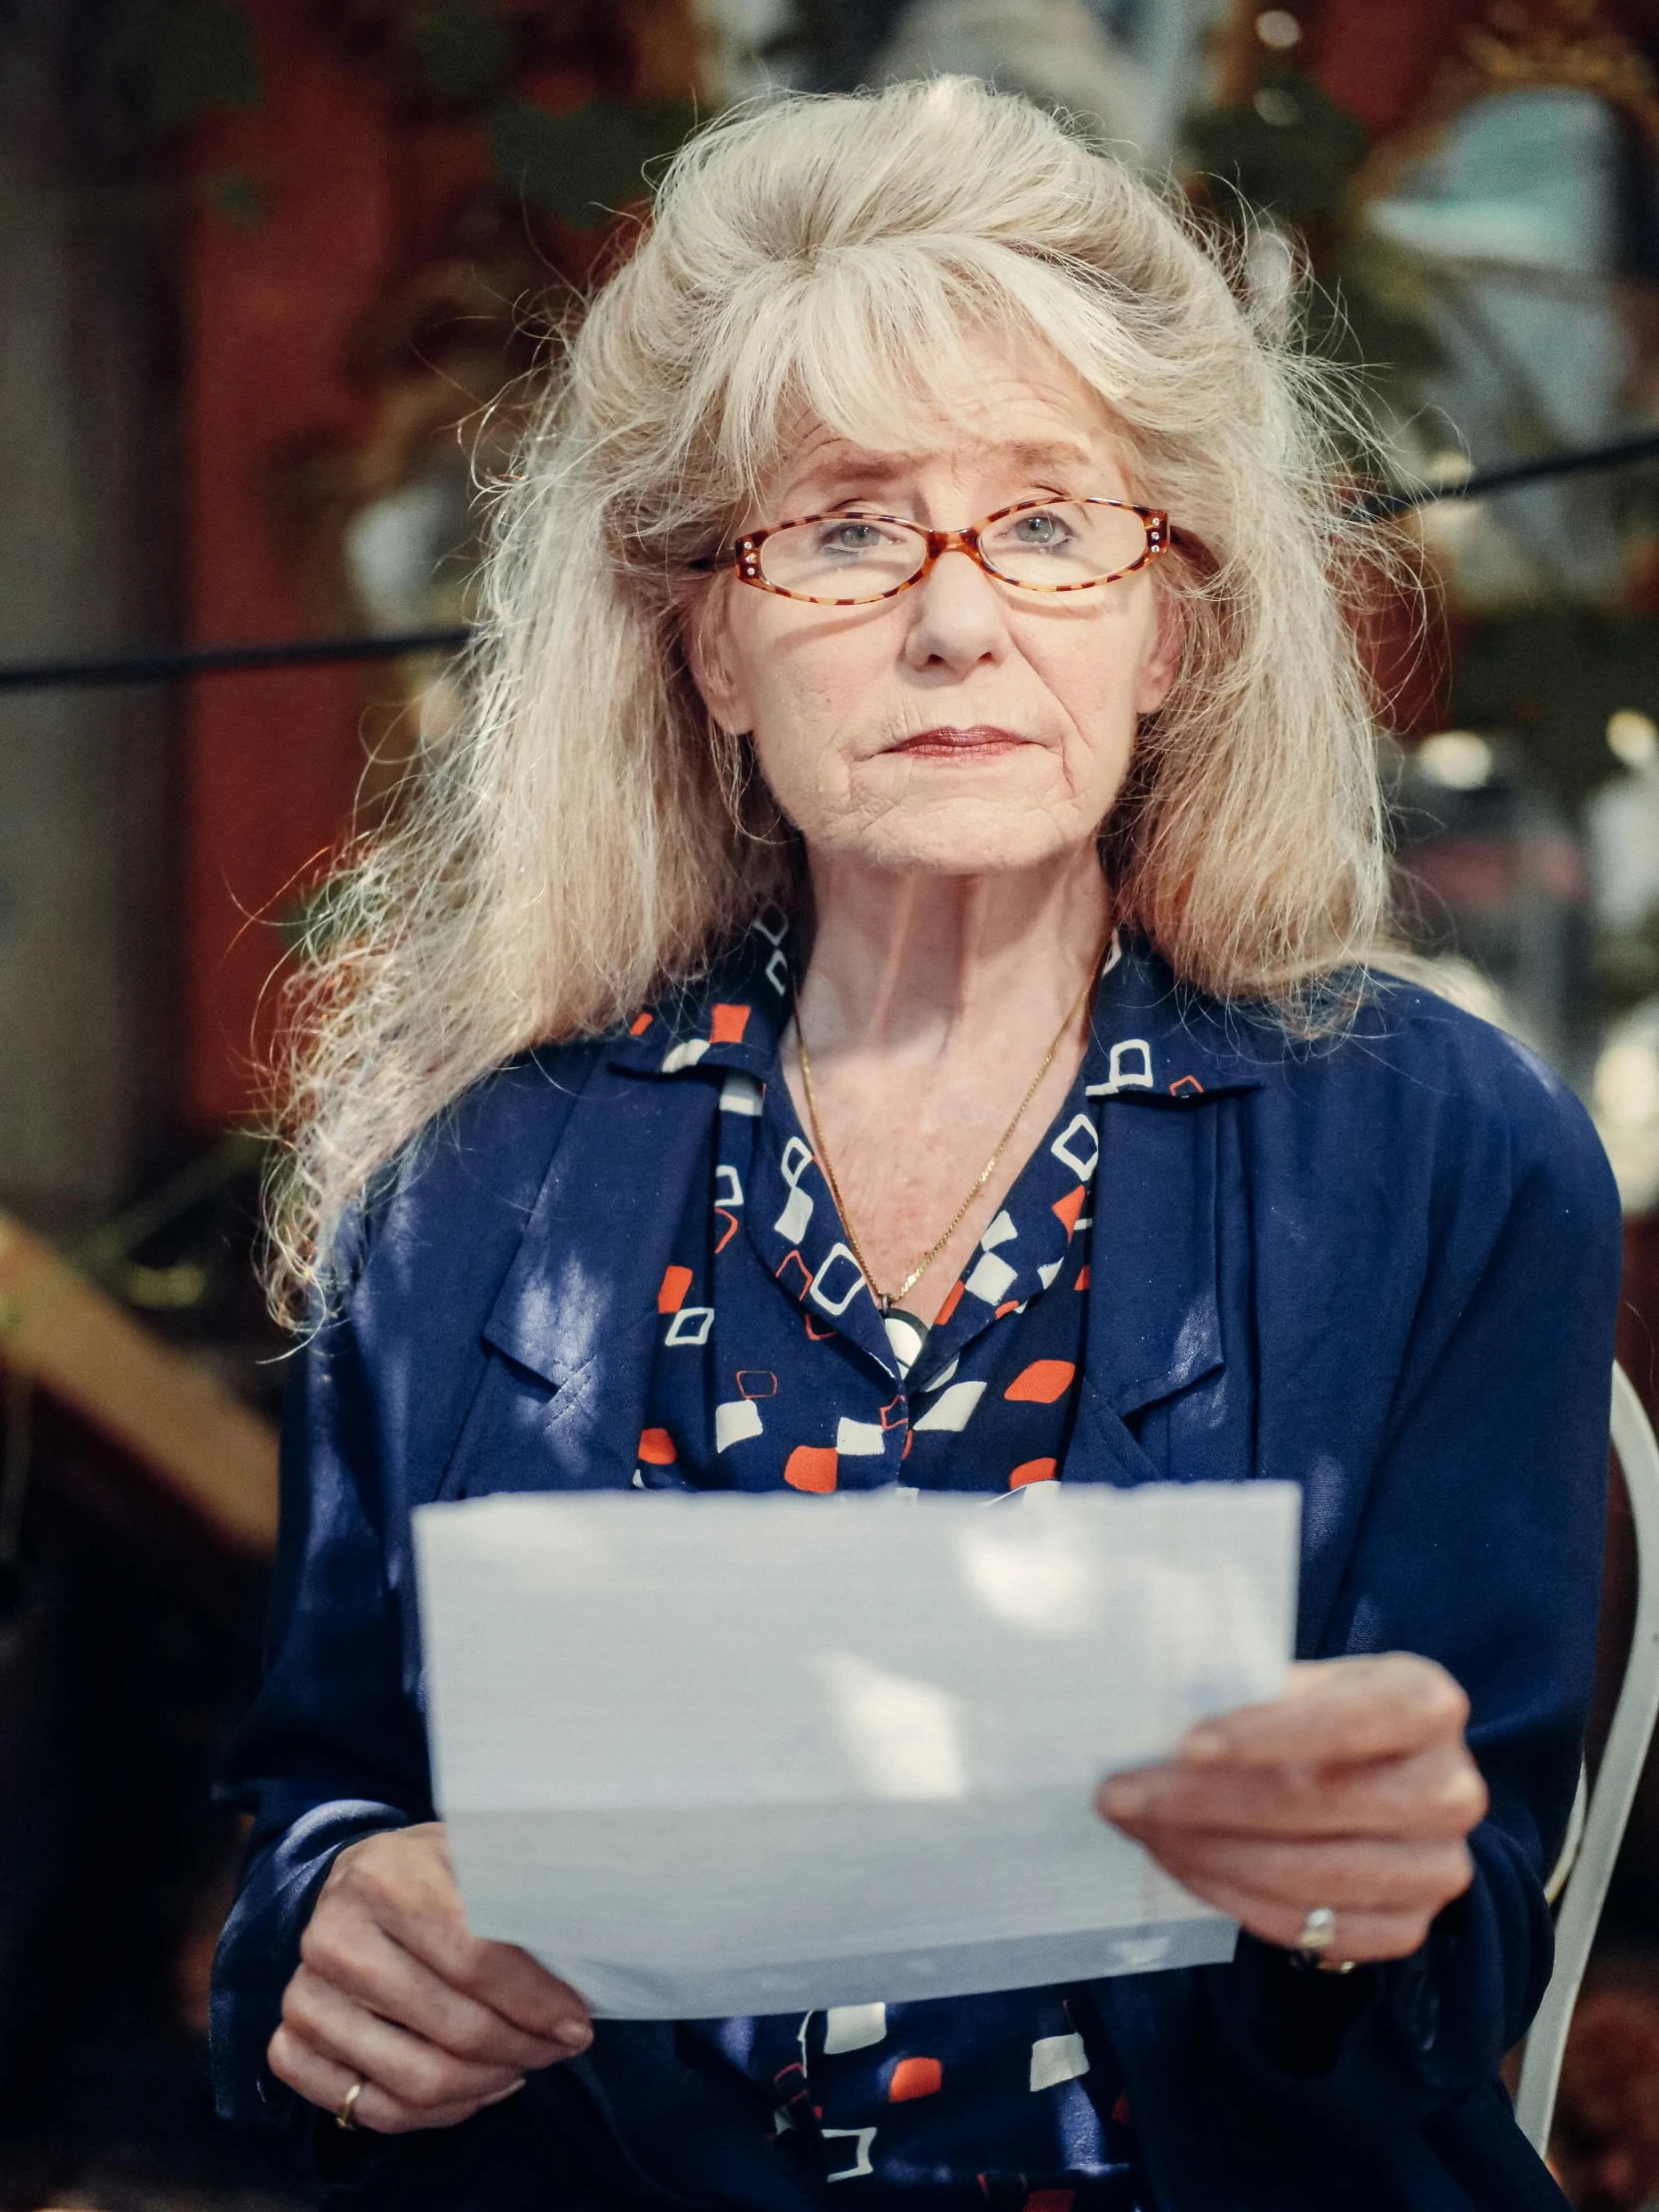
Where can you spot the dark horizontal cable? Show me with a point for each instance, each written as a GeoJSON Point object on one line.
{"type": "Point", "coordinates": [1376, 504]}
{"type": "Point", "coordinates": [212, 660]}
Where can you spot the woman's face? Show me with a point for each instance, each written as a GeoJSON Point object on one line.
{"type": "Point", "coordinates": [965, 726]}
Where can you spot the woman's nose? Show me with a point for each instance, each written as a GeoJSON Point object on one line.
{"type": "Point", "coordinates": [959, 618]}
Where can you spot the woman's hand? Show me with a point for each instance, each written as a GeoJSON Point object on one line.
{"type": "Point", "coordinates": [1354, 1790]}
{"type": "Point", "coordinates": [395, 1993]}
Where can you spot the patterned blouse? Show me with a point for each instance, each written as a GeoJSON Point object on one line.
{"type": "Point", "coordinates": [774, 1367]}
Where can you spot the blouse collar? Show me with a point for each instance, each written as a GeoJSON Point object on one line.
{"type": "Point", "coordinates": [1153, 1040]}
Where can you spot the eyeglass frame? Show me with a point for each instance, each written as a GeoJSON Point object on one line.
{"type": "Point", "coordinates": [743, 554]}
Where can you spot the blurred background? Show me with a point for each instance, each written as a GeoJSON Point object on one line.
{"type": "Point", "coordinates": [269, 271]}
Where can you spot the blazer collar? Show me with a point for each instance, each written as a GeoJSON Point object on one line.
{"type": "Point", "coordinates": [1170, 1057]}
{"type": "Point", "coordinates": [1160, 1041]}
{"type": "Point", "coordinates": [732, 1017]}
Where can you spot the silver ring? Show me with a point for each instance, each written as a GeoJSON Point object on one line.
{"type": "Point", "coordinates": [347, 2116]}
{"type": "Point", "coordinates": [1319, 1933]}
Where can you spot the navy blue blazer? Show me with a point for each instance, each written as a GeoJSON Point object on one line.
{"type": "Point", "coordinates": [1385, 1267]}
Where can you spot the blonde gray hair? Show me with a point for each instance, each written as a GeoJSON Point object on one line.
{"type": "Point", "coordinates": [585, 837]}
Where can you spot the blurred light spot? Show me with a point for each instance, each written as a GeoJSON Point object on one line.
{"type": "Point", "coordinates": [1275, 106]}
{"type": "Point", "coordinates": [1027, 1575]}
{"type": "Point", "coordinates": [1627, 1083]}
{"type": "Point", "coordinates": [1278, 28]}
{"type": "Point", "coordinates": [902, 1735]}
{"type": "Point", "coordinates": [1448, 467]}
{"type": "Point", "coordinates": [1633, 738]}
{"type": "Point", "coordinates": [1457, 759]}
{"type": "Point", "coordinates": [164, 1290]}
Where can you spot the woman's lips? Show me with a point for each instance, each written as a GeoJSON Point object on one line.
{"type": "Point", "coordinates": [982, 740]}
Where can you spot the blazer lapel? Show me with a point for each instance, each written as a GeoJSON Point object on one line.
{"type": "Point", "coordinates": [575, 1317]}
{"type": "Point", "coordinates": [1154, 1309]}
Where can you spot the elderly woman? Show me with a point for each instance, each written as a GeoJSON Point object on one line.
{"type": "Point", "coordinates": [878, 991]}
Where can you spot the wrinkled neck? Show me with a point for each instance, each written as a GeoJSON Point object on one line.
{"type": "Point", "coordinates": [915, 965]}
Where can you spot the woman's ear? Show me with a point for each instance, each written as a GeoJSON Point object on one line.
{"type": "Point", "coordinates": [1163, 654]}
{"type": "Point", "coordinates": [710, 655]}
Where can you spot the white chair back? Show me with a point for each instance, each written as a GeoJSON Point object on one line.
{"type": "Point", "coordinates": [1601, 1826]}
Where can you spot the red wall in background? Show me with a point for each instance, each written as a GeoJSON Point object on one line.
{"type": "Point", "coordinates": [271, 759]}
{"type": "Point", "coordinates": [358, 186]}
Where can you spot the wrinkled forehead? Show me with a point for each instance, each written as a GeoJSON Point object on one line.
{"type": "Point", "coordinates": [978, 401]}
{"type": "Point", "coordinates": [826, 467]}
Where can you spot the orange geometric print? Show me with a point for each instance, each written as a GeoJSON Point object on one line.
{"type": "Point", "coordinates": [657, 1448]}
{"type": "Point", "coordinates": [676, 1282]}
{"type": "Point", "coordinates": [811, 1468]}
{"type": "Point", "coordinates": [1067, 1209]}
{"type": "Point", "coordinates": [729, 1024]}
{"type": "Point", "coordinates": [1082, 1282]}
{"type": "Point", "coordinates": [952, 1298]}
{"type": "Point", "coordinates": [915, 2078]}
{"type": "Point", "coordinates": [1032, 1471]}
{"type": "Point", "coordinates": [638, 1025]}
{"type": "Point", "coordinates": [1041, 1383]}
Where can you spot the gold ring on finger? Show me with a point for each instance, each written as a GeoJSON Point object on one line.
{"type": "Point", "coordinates": [347, 2116]}
{"type": "Point", "coordinates": [1319, 1933]}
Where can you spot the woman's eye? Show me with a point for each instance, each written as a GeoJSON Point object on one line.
{"type": "Point", "coordinates": [853, 538]}
{"type": "Point", "coordinates": [1039, 529]}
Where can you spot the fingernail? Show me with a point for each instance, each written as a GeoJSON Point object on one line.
{"type": "Point", "coordinates": [1123, 1800]}
{"type": "Point", "coordinates": [1203, 1743]}
{"type": "Point", "coordinates": [575, 2034]}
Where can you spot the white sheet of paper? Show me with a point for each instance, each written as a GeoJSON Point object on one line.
{"type": "Point", "coordinates": [739, 1754]}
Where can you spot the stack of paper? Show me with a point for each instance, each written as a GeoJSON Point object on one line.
{"type": "Point", "coordinates": [729, 1754]}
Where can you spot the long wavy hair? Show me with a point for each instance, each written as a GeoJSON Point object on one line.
{"type": "Point", "coordinates": [585, 837]}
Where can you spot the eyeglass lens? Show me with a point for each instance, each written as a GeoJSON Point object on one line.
{"type": "Point", "coordinates": [854, 556]}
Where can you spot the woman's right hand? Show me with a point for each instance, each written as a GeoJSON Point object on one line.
{"type": "Point", "coordinates": [395, 1992]}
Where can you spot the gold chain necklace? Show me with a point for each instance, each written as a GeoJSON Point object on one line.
{"type": "Point", "coordinates": [887, 1299]}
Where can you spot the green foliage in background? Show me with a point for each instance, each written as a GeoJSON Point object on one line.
{"type": "Point", "coordinates": [1551, 676]}
{"type": "Point", "coordinates": [1289, 152]}
{"type": "Point", "coordinates": [1293, 153]}
{"type": "Point", "coordinates": [578, 166]}
{"type": "Point", "coordinates": [586, 162]}
{"type": "Point", "coordinates": [822, 41]}
{"type": "Point", "coordinates": [462, 53]}
{"type": "Point", "coordinates": [181, 59]}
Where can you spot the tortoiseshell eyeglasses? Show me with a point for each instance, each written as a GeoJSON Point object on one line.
{"type": "Point", "coordinates": [857, 557]}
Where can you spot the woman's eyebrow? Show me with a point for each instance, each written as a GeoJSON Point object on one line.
{"type": "Point", "coordinates": [1051, 453]}
{"type": "Point", "coordinates": [842, 474]}
{"type": "Point", "coordinates": [849, 473]}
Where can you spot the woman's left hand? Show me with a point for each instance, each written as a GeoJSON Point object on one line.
{"type": "Point", "coordinates": [1354, 1790]}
